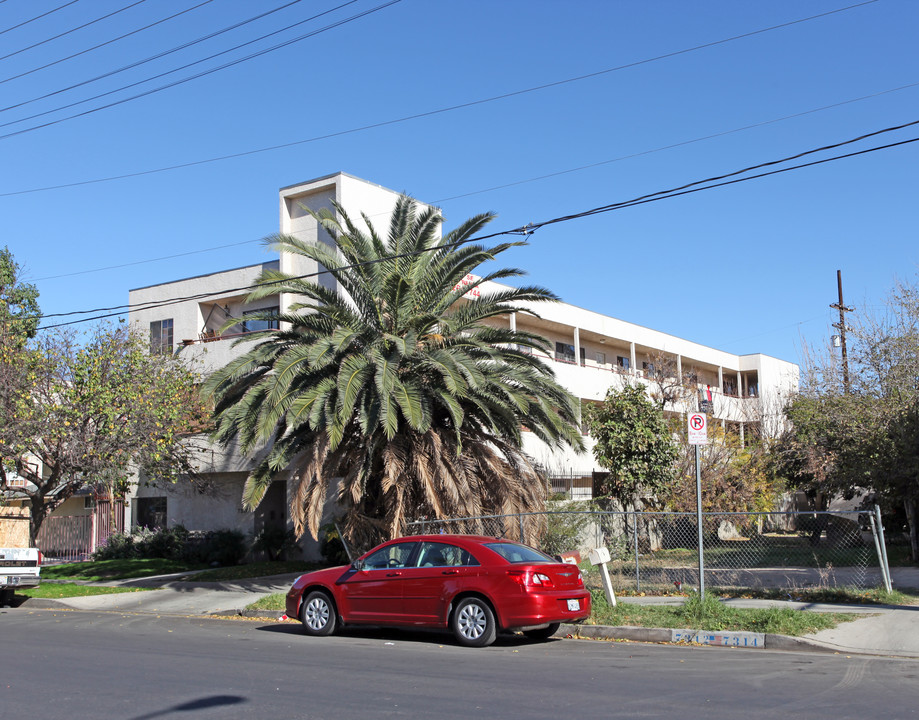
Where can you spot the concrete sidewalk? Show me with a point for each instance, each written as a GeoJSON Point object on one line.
{"type": "Point", "coordinates": [168, 595]}
{"type": "Point", "coordinates": [884, 630]}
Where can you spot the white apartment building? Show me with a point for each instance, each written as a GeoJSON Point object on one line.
{"type": "Point", "coordinates": [591, 353]}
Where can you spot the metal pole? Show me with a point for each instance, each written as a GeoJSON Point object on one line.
{"type": "Point", "coordinates": [520, 525]}
{"type": "Point", "coordinates": [635, 525]}
{"type": "Point", "coordinates": [889, 584]}
{"type": "Point", "coordinates": [699, 523]}
{"type": "Point", "coordinates": [877, 548]}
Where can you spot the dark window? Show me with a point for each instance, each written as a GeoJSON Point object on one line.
{"type": "Point", "coordinates": [435, 554]}
{"type": "Point", "coordinates": [623, 362]}
{"type": "Point", "coordinates": [390, 556]}
{"type": "Point", "coordinates": [161, 337]}
{"type": "Point", "coordinates": [151, 512]}
{"type": "Point", "coordinates": [512, 552]}
{"type": "Point", "coordinates": [263, 322]}
{"type": "Point", "coordinates": [564, 352]}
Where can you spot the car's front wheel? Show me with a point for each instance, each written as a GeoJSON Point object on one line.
{"type": "Point", "coordinates": [318, 614]}
{"type": "Point", "coordinates": [542, 633]}
{"type": "Point", "coordinates": [473, 623]}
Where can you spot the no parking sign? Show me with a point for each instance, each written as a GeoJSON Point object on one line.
{"type": "Point", "coordinates": [698, 429]}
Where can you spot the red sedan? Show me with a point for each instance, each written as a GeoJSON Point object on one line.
{"type": "Point", "coordinates": [473, 585]}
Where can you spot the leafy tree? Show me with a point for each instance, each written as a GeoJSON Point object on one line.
{"type": "Point", "coordinates": [735, 476]}
{"type": "Point", "coordinates": [92, 413]}
{"type": "Point", "coordinates": [865, 436]}
{"type": "Point", "coordinates": [633, 442]}
{"type": "Point", "coordinates": [19, 311]}
{"type": "Point", "coordinates": [395, 383]}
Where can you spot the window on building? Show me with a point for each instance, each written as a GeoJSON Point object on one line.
{"type": "Point", "coordinates": [151, 512]}
{"type": "Point", "coordinates": [161, 337]}
{"type": "Point", "coordinates": [623, 362]}
{"type": "Point", "coordinates": [251, 324]}
{"type": "Point", "coordinates": [601, 358]}
{"type": "Point", "coordinates": [564, 352]}
{"type": "Point", "coordinates": [648, 368]}
{"type": "Point", "coordinates": [583, 356]}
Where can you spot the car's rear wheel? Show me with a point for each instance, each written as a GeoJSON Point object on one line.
{"type": "Point", "coordinates": [473, 623]}
{"type": "Point", "coordinates": [542, 633]}
{"type": "Point", "coordinates": [318, 614]}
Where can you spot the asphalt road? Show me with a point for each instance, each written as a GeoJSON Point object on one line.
{"type": "Point", "coordinates": [68, 663]}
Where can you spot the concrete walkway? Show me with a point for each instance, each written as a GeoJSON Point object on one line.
{"type": "Point", "coordinates": [883, 630]}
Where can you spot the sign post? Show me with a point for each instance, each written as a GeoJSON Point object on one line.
{"type": "Point", "coordinates": [698, 435]}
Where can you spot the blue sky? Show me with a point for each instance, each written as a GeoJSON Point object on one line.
{"type": "Point", "coordinates": [746, 268]}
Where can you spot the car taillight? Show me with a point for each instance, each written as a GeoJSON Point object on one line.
{"type": "Point", "coordinates": [40, 558]}
{"type": "Point", "coordinates": [529, 578]}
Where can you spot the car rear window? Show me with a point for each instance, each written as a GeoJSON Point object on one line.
{"type": "Point", "coordinates": [515, 553]}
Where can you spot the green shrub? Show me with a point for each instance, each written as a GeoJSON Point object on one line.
{"type": "Point", "coordinates": [564, 528]}
{"type": "Point", "coordinates": [276, 542]}
{"type": "Point", "coordinates": [118, 546]}
{"type": "Point", "coordinates": [221, 547]}
{"type": "Point", "coordinates": [167, 543]}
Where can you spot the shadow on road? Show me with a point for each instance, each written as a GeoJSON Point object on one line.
{"type": "Point", "coordinates": [402, 635]}
{"type": "Point", "coordinates": [192, 705]}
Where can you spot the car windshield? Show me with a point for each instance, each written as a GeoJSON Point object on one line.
{"type": "Point", "coordinates": [515, 553]}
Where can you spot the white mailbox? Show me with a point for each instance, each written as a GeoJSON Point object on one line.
{"type": "Point", "coordinates": [598, 556]}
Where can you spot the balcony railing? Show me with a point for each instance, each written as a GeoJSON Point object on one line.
{"type": "Point", "coordinates": [213, 336]}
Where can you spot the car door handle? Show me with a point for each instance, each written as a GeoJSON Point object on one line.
{"type": "Point", "coordinates": [450, 572]}
{"type": "Point", "coordinates": [396, 574]}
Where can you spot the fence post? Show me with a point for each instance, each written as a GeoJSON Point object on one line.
{"type": "Point", "coordinates": [885, 566]}
{"type": "Point", "coordinates": [877, 550]}
{"type": "Point", "coordinates": [635, 539]}
{"type": "Point", "coordinates": [92, 534]}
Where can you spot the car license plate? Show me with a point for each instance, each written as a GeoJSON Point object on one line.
{"type": "Point", "coordinates": [574, 604]}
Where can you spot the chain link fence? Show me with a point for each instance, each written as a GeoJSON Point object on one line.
{"type": "Point", "coordinates": [655, 551]}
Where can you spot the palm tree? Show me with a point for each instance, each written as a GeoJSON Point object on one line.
{"type": "Point", "coordinates": [393, 393]}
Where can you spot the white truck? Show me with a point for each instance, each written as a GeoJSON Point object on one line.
{"type": "Point", "coordinates": [19, 568]}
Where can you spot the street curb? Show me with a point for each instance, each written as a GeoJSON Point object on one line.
{"type": "Point", "coordinates": [664, 635]}
{"type": "Point", "coordinates": [242, 612]}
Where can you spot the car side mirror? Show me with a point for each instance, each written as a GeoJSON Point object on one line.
{"type": "Point", "coordinates": [357, 565]}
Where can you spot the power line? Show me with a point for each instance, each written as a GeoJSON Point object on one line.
{"type": "Point", "coordinates": [473, 103]}
{"type": "Point", "coordinates": [294, 143]}
{"type": "Point", "coordinates": [683, 143]}
{"type": "Point", "coordinates": [143, 262]}
{"type": "Point", "coordinates": [685, 189]}
{"type": "Point", "coordinates": [130, 66]}
{"type": "Point", "coordinates": [497, 187]}
{"type": "Point", "coordinates": [197, 76]}
{"type": "Point", "coordinates": [73, 30]}
{"type": "Point", "coordinates": [38, 17]}
{"type": "Point", "coordinates": [673, 192]}
{"type": "Point", "coordinates": [90, 49]}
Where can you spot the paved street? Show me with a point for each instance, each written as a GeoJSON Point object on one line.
{"type": "Point", "coordinates": [886, 631]}
{"type": "Point", "coordinates": [108, 665]}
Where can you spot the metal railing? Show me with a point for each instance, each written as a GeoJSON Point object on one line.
{"type": "Point", "coordinates": [659, 550]}
{"type": "Point", "coordinates": [74, 538]}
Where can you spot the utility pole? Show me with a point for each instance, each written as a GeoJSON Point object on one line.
{"type": "Point", "coordinates": [841, 326]}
